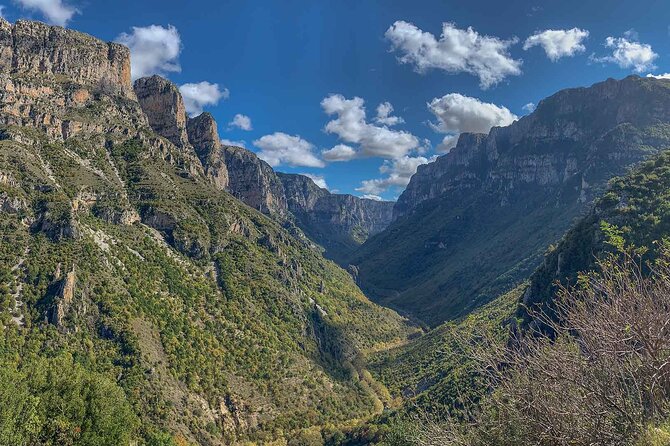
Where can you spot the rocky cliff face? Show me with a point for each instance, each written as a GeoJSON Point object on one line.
{"type": "Point", "coordinates": [162, 103]}
{"type": "Point", "coordinates": [204, 137]}
{"type": "Point", "coordinates": [475, 221]}
{"type": "Point", "coordinates": [55, 79]}
{"type": "Point", "coordinates": [253, 181]}
{"type": "Point", "coordinates": [577, 136]}
{"type": "Point", "coordinates": [339, 223]}
{"type": "Point", "coordinates": [34, 48]}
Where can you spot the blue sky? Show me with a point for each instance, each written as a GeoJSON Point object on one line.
{"type": "Point", "coordinates": [295, 68]}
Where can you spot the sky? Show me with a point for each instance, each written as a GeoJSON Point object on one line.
{"type": "Point", "coordinates": [357, 94]}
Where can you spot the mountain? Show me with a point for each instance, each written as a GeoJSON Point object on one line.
{"type": "Point", "coordinates": [140, 301]}
{"type": "Point", "coordinates": [475, 222]}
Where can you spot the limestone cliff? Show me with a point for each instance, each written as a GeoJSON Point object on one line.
{"type": "Point", "coordinates": [204, 137]}
{"type": "Point", "coordinates": [35, 48]}
{"type": "Point", "coordinates": [162, 103]}
{"type": "Point", "coordinates": [253, 181]}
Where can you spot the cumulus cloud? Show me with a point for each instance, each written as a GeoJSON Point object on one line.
{"type": "Point", "coordinates": [448, 143]}
{"type": "Point", "coordinates": [280, 148]}
{"type": "Point", "coordinates": [627, 52]}
{"type": "Point", "coordinates": [398, 173]}
{"type": "Point", "coordinates": [56, 12]}
{"type": "Point", "coordinates": [659, 76]}
{"type": "Point", "coordinates": [230, 142]}
{"type": "Point", "coordinates": [242, 122]}
{"type": "Point", "coordinates": [202, 94]}
{"type": "Point", "coordinates": [457, 51]}
{"type": "Point", "coordinates": [457, 113]}
{"type": "Point", "coordinates": [153, 50]}
{"type": "Point", "coordinates": [558, 43]}
{"type": "Point", "coordinates": [319, 180]}
{"type": "Point", "coordinates": [351, 126]}
{"type": "Point", "coordinates": [340, 152]}
{"type": "Point", "coordinates": [384, 117]}
{"type": "Point", "coordinates": [529, 108]}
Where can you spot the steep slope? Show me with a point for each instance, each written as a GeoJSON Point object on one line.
{"type": "Point", "coordinates": [475, 222]}
{"type": "Point", "coordinates": [633, 212]}
{"type": "Point", "coordinates": [125, 265]}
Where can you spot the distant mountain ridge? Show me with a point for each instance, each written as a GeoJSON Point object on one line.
{"type": "Point", "coordinates": [474, 222]}
{"type": "Point", "coordinates": [337, 222]}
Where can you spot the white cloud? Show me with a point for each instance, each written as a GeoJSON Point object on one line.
{"type": "Point", "coordinates": [319, 180]}
{"type": "Point", "coordinates": [54, 11]}
{"type": "Point", "coordinates": [457, 51]}
{"type": "Point", "coordinates": [529, 108]}
{"type": "Point", "coordinates": [457, 113]}
{"type": "Point", "coordinates": [241, 122]}
{"type": "Point", "coordinates": [384, 117]}
{"type": "Point", "coordinates": [628, 53]}
{"type": "Point", "coordinates": [398, 173]}
{"type": "Point", "coordinates": [659, 76]}
{"type": "Point", "coordinates": [153, 50]}
{"type": "Point", "coordinates": [372, 197]}
{"type": "Point", "coordinates": [199, 95]}
{"type": "Point", "coordinates": [448, 143]}
{"type": "Point", "coordinates": [340, 152]}
{"type": "Point", "coordinates": [280, 148]}
{"type": "Point", "coordinates": [558, 43]}
{"type": "Point", "coordinates": [351, 126]}
{"type": "Point", "coordinates": [2, 11]}
{"type": "Point", "coordinates": [230, 142]}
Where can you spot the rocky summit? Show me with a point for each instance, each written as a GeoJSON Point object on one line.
{"type": "Point", "coordinates": [476, 221]}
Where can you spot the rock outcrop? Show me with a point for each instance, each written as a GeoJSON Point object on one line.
{"type": "Point", "coordinates": [204, 137]}
{"type": "Point", "coordinates": [254, 182]}
{"type": "Point", "coordinates": [36, 48]}
{"type": "Point", "coordinates": [62, 301]}
{"type": "Point", "coordinates": [477, 220]}
{"type": "Point", "coordinates": [163, 105]}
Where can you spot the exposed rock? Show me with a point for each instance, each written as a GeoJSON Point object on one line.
{"type": "Point", "coordinates": [37, 48]}
{"type": "Point", "coordinates": [11, 205]}
{"type": "Point", "coordinates": [338, 222]}
{"type": "Point", "coordinates": [63, 298]}
{"type": "Point", "coordinates": [163, 105]}
{"type": "Point", "coordinates": [253, 181]}
{"type": "Point", "coordinates": [204, 137]}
